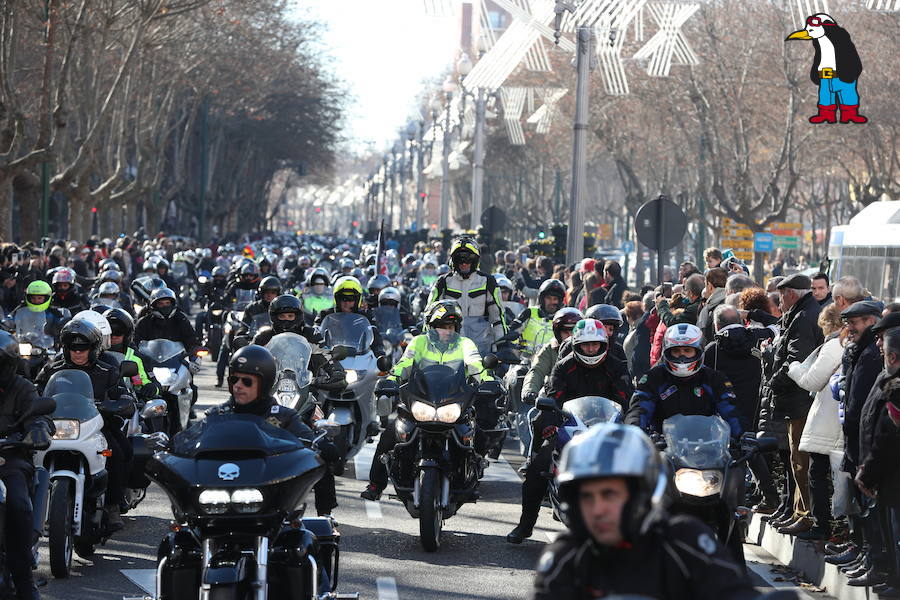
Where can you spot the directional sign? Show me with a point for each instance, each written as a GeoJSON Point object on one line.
{"type": "Point", "coordinates": [763, 241]}
{"type": "Point", "coordinates": [627, 247]}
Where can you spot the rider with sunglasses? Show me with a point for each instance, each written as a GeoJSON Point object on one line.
{"type": "Point", "coordinates": [251, 375]}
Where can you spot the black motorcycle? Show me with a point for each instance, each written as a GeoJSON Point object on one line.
{"type": "Point", "coordinates": [238, 485]}
{"type": "Point", "coordinates": [214, 326]}
{"type": "Point", "coordinates": [434, 466]}
{"type": "Point", "coordinates": [707, 477]}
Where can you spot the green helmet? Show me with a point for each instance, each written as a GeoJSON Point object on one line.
{"type": "Point", "coordinates": [38, 288]}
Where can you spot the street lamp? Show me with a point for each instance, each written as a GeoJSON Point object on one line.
{"type": "Point", "coordinates": [449, 86]}
{"type": "Point", "coordinates": [465, 67]}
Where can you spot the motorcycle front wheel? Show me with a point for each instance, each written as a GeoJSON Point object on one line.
{"type": "Point", "coordinates": [60, 528]}
{"type": "Point", "coordinates": [431, 517]}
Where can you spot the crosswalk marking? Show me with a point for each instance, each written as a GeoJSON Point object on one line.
{"type": "Point", "coordinates": [363, 460]}
{"type": "Point", "coordinates": [387, 588]}
{"type": "Point", "coordinates": [500, 470]}
{"type": "Point", "coordinates": [373, 509]}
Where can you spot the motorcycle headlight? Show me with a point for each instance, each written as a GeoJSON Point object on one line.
{"type": "Point", "coordinates": [422, 412]}
{"type": "Point", "coordinates": [24, 349]}
{"type": "Point", "coordinates": [214, 502]}
{"type": "Point", "coordinates": [449, 413]}
{"type": "Point", "coordinates": [165, 377]}
{"type": "Point", "coordinates": [247, 500]}
{"type": "Point", "coordinates": [217, 312]}
{"type": "Point", "coordinates": [286, 385]}
{"type": "Point", "coordinates": [66, 429]}
{"type": "Point", "coordinates": [353, 376]}
{"type": "Point", "coordinates": [695, 482]}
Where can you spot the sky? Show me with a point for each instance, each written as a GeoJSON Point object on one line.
{"type": "Point", "coordinates": [384, 50]}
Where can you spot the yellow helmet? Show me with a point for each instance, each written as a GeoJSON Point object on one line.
{"type": "Point", "coordinates": [464, 249]}
{"type": "Point", "coordinates": [348, 286]}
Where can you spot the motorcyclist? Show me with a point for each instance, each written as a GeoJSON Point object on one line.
{"type": "Point", "coordinates": [66, 293]}
{"type": "Point", "coordinates": [564, 322]}
{"type": "Point", "coordinates": [265, 266]}
{"type": "Point", "coordinates": [443, 321]}
{"type": "Point", "coordinates": [612, 320]}
{"type": "Point", "coordinates": [212, 292]}
{"type": "Point", "coordinates": [532, 323]}
{"type": "Point", "coordinates": [348, 298]}
{"type": "Point", "coordinates": [37, 299]}
{"type": "Point", "coordinates": [374, 287]}
{"type": "Point", "coordinates": [475, 291]}
{"type": "Point", "coordinates": [682, 385]}
{"type": "Point", "coordinates": [269, 289]}
{"type": "Point", "coordinates": [621, 539]}
{"type": "Point", "coordinates": [584, 372]}
{"type": "Point", "coordinates": [162, 269]}
{"type": "Point", "coordinates": [166, 321]}
{"type": "Point", "coordinates": [390, 297]}
{"type": "Point", "coordinates": [248, 279]}
{"type": "Point", "coordinates": [120, 340]}
{"type": "Point", "coordinates": [81, 347]}
{"type": "Point", "coordinates": [20, 418]}
{"type": "Point", "coordinates": [251, 375]}
{"type": "Point", "coordinates": [316, 296]}
{"type": "Point", "coordinates": [511, 308]}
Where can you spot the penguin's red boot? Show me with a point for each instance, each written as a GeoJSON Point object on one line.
{"type": "Point", "coordinates": [827, 114]}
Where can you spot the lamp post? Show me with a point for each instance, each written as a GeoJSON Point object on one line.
{"type": "Point", "coordinates": [449, 87]}
{"type": "Point", "coordinates": [420, 174]}
{"type": "Point", "coordinates": [407, 171]}
{"type": "Point", "coordinates": [464, 66]}
{"type": "Point", "coordinates": [583, 59]}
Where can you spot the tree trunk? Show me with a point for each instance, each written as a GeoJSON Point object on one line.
{"type": "Point", "coordinates": [6, 209]}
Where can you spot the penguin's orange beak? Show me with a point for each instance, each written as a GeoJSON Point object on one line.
{"type": "Point", "coordinates": [799, 35]}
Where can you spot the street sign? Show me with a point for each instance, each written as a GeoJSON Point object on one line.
{"type": "Point", "coordinates": [660, 224]}
{"type": "Point", "coordinates": [605, 232]}
{"type": "Point", "coordinates": [627, 247]}
{"type": "Point", "coordinates": [763, 242]}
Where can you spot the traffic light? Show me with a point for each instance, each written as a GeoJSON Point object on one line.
{"type": "Point", "coordinates": [93, 209]}
{"type": "Point", "coordinates": [542, 234]}
{"type": "Point", "coordinates": [318, 209]}
{"type": "Point", "coordinates": [355, 224]}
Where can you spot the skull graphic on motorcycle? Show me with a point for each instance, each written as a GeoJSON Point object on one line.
{"type": "Point", "coordinates": [229, 472]}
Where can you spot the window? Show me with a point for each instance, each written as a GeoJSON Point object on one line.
{"type": "Point", "coordinates": [497, 19]}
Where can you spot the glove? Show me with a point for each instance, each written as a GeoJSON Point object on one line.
{"type": "Point", "coordinates": [194, 367]}
{"type": "Point", "coordinates": [549, 432]}
{"type": "Point", "coordinates": [529, 399]}
{"type": "Point", "coordinates": [38, 436]}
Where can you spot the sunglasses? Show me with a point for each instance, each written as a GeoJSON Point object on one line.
{"type": "Point", "coordinates": [817, 22]}
{"type": "Point", "coordinates": [79, 348]}
{"type": "Point", "coordinates": [245, 381]}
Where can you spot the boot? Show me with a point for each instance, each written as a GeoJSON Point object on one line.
{"type": "Point", "coordinates": [219, 382]}
{"type": "Point", "coordinates": [832, 548]}
{"type": "Point", "coordinates": [783, 522]}
{"type": "Point", "coordinates": [827, 114]}
{"type": "Point", "coordinates": [869, 578]}
{"type": "Point", "coordinates": [849, 114]}
{"type": "Point", "coordinates": [765, 508]}
{"type": "Point", "coordinates": [532, 496]}
{"type": "Point", "coordinates": [519, 534]}
{"type": "Point", "coordinates": [801, 525]}
{"type": "Point", "coordinates": [114, 520]}
{"type": "Point", "coordinates": [372, 492]}
{"type": "Point", "coordinates": [844, 557]}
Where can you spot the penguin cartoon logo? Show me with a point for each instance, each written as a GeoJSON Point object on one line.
{"type": "Point", "coordinates": [835, 69]}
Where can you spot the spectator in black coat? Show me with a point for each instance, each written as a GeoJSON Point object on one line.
{"type": "Point", "coordinates": [715, 297]}
{"type": "Point", "coordinates": [800, 335]}
{"type": "Point", "coordinates": [610, 292]}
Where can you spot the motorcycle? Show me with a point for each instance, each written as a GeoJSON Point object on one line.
{"type": "Point", "coordinates": [387, 319]}
{"type": "Point", "coordinates": [186, 285]}
{"type": "Point", "coordinates": [166, 359]}
{"type": "Point", "coordinates": [706, 481]}
{"type": "Point", "coordinates": [349, 336]}
{"type": "Point", "coordinates": [577, 416]}
{"type": "Point", "coordinates": [73, 518]}
{"type": "Point", "coordinates": [36, 347]}
{"type": "Point", "coordinates": [143, 287]}
{"type": "Point", "coordinates": [238, 486]}
{"type": "Point", "coordinates": [214, 325]}
{"type": "Point", "coordinates": [292, 353]}
{"type": "Point", "coordinates": [234, 324]}
{"type": "Point", "coordinates": [434, 467]}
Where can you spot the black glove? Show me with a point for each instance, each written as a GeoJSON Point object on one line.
{"type": "Point", "coordinates": [38, 436]}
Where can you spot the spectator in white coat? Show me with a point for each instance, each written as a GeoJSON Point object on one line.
{"type": "Point", "coordinates": [822, 435]}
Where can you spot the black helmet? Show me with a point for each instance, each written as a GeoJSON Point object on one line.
{"type": "Point", "coordinates": [220, 272]}
{"type": "Point", "coordinates": [80, 334]}
{"type": "Point", "coordinates": [255, 360]}
{"type": "Point", "coordinates": [565, 319]}
{"type": "Point", "coordinates": [606, 313]}
{"type": "Point", "coordinates": [161, 294]}
{"type": "Point", "coordinates": [464, 249]}
{"type": "Point", "coordinates": [551, 287]}
{"type": "Point", "coordinates": [122, 324]}
{"type": "Point", "coordinates": [285, 303]}
{"type": "Point", "coordinates": [9, 359]}
{"type": "Point", "coordinates": [162, 264]}
{"type": "Point", "coordinates": [445, 312]}
{"type": "Point", "coordinates": [249, 272]}
{"type": "Point", "coordinates": [269, 284]}
{"type": "Point", "coordinates": [614, 450]}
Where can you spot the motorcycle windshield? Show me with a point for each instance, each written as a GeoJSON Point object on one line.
{"type": "Point", "coordinates": [439, 384]}
{"type": "Point", "coordinates": [233, 432]}
{"type": "Point", "coordinates": [696, 441]}
{"type": "Point", "coordinates": [543, 336]}
{"type": "Point", "coordinates": [243, 298]}
{"type": "Point", "coordinates": [387, 318]}
{"type": "Point", "coordinates": [179, 270]}
{"type": "Point", "coordinates": [161, 351]}
{"type": "Point", "coordinates": [291, 353]}
{"type": "Point", "coordinates": [111, 302]}
{"type": "Point", "coordinates": [351, 330]}
{"type": "Point", "coordinates": [591, 410]}
{"type": "Point", "coordinates": [259, 321]}
{"type": "Point", "coordinates": [74, 395]}
{"type": "Point", "coordinates": [30, 328]}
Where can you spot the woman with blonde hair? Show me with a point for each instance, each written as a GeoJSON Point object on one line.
{"type": "Point", "coordinates": [822, 436]}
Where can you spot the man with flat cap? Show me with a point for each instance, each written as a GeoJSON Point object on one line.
{"type": "Point", "coordinates": [800, 335]}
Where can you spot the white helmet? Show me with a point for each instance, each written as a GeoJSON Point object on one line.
{"type": "Point", "coordinates": [589, 330]}
{"type": "Point", "coordinates": [389, 293]}
{"type": "Point", "coordinates": [98, 321]}
{"type": "Point", "coordinates": [504, 283]}
{"type": "Point", "coordinates": [108, 288]}
{"type": "Point", "coordinates": [683, 335]}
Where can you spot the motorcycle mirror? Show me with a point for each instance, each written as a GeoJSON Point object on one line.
{"type": "Point", "coordinates": [155, 408]}
{"type": "Point", "coordinates": [128, 368]}
{"type": "Point", "coordinates": [490, 361]}
{"type": "Point", "coordinates": [43, 405]}
{"type": "Point", "coordinates": [384, 363]}
{"type": "Point", "coordinates": [545, 403]}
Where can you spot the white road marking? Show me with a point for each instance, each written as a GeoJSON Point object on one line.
{"type": "Point", "coordinates": [552, 535]}
{"type": "Point", "coordinates": [373, 509]}
{"type": "Point", "coordinates": [500, 470]}
{"type": "Point", "coordinates": [760, 562]}
{"type": "Point", "coordinates": [363, 460]}
{"type": "Point", "coordinates": [143, 578]}
{"type": "Point", "coordinates": [387, 588]}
